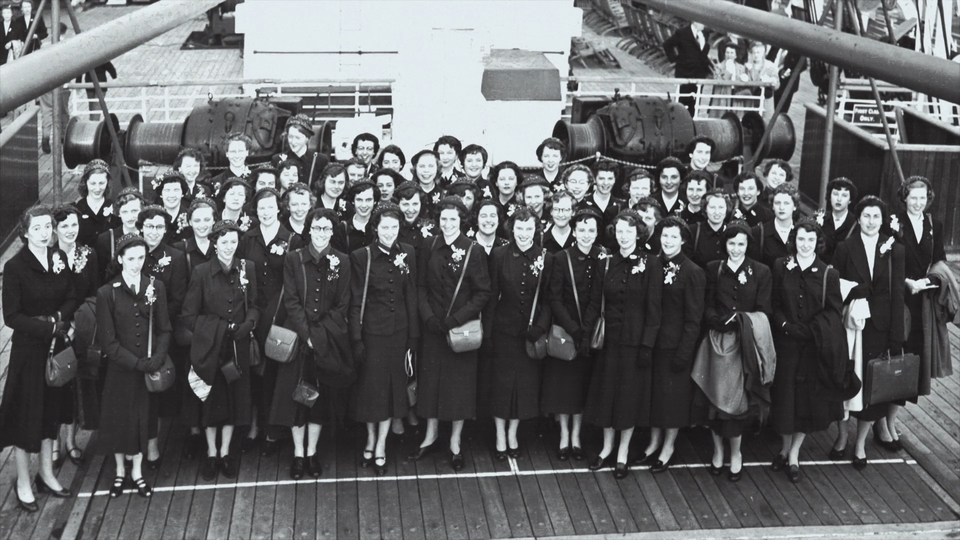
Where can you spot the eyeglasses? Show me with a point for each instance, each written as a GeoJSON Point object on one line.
{"type": "Point", "coordinates": [154, 227]}
{"type": "Point", "coordinates": [562, 210]}
{"type": "Point", "coordinates": [325, 230]}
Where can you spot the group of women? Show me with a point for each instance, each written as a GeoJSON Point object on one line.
{"type": "Point", "coordinates": [384, 281]}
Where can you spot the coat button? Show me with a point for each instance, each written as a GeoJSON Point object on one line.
{"type": "Point", "coordinates": [138, 344]}
{"type": "Point", "coordinates": [391, 310]}
{"type": "Point", "coordinates": [391, 281]}
{"type": "Point", "coordinates": [138, 324]}
{"type": "Point", "coordinates": [137, 314]}
{"type": "Point", "coordinates": [314, 310]}
{"type": "Point", "coordinates": [138, 334]}
{"type": "Point", "coordinates": [317, 290]}
{"type": "Point", "coordinates": [230, 301]}
{"type": "Point", "coordinates": [135, 304]}
{"type": "Point", "coordinates": [230, 310]}
{"type": "Point", "coordinates": [391, 270]}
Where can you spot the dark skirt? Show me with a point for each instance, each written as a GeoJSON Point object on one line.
{"type": "Point", "coordinates": [67, 399]}
{"type": "Point", "coordinates": [671, 392]}
{"type": "Point", "coordinates": [380, 392]}
{"type": "Point", "coordinates": [874, 344]}
{"type": "Point", "coordinates": [446, 381]}
{"type": "Point", "coordinates": [794, 405]}
{"type": "Point", "coordinates": [128, 413]}
{"type": "Point", "coordinates": [515, 379]}
{"type": "Point", "coordinates": [616, 389]}
{"type": "Point", "coordinates": [330, 408]}
{"type": "Point", "coordinates": [228, 404]}
{"type": "Point", "coordinates": [565, 384]}
{"type": "Point", "coordinates": [30, 411]}
{"type": "Point", "coordinates": [263, 382]}
{"type": "Point", "coordinates": [171, 400]}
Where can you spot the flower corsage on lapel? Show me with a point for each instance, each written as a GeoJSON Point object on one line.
{"type": "Point", "coordinates": [894, 223]}
{"type": "Point", "coordinates": [400, 261]}
{"type": "Point", "coordinates": [81, 256]}
{"type": "Point", "coordinates": [162, 263]}
{"type": "Point", "coordinates": [641, 265]}
{"type": "Point", "coordinates": [150, 295]}
{"type": "Point", "coordinates": [537, 266]}
{"type": "Point", "coordinates": [243, 275]}
{"type": "Point", "coordinates": [333, 267]}
{"type": "Point", "coordinates": [456, 258]}
{"type": "Point", "coordinates": [670, 273]}
{"type": "Point", "coordinates": [886, 246]}
{"type": "Point", "coordinates": [426, 230]}
{"type": "Point", "coordinates": [58, 264]}
{"type": "Point", "coordinates": [245, 222]}
{"type": "Point", "coordinates": [279, 248]}
{"type": "Point", "coordinates": [791, 263]}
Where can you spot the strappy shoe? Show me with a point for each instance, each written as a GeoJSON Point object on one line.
{"type": "Point", "coordinates": [117, 489]}
{"type": "Point", "coordinates": [143, 489]}
{"type": "Point", "coordinates": [367, 459]}
{"type": "Point", "coordinates": [75, 455]}
{"type": "Point", "coordinates": [380, 465]}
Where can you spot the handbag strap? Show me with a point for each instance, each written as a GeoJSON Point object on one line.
{"type": "Point", "coordinates": [460, 281]}
{"type": "Point", "coordinates": [366, 282]}
{"type": "Point", "coordinates": [603, 296]}
{"type": "Point", "coordinates": [573, 282]}
{"type": "Point", "coordinates": [312, 165]}
{"type": "Point", "coordinates": [536, 295]}
{"type": "Point", "coordinates": [150, 325]}
{"type": "Point", "coordinates": [823, 295]}
{"type": "Point", "coordinates": [276, 311]}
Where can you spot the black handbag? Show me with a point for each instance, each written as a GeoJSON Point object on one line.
{"type": "Point", "coordinates": [305, 393]}
{"type": "Point", "coordinates": [599, 329]}
{"type": "Point", "coordinates": [61, 366]}
{"type": "Point", "coordinates": [231, 368]}
{"type": "Point", "coordinates": [537, 350]}
{"type": "Point", "coordinates": [891, 377]}
{"type": "Point", "coordinates": [560, 344]}
{"type": "Point", "coordinates": [162, 379]}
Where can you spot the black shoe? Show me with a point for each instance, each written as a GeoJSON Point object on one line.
{"type": "Point", "coordinates": [837, 455]}
{"type": "Point", "coordinates": [42, 487]}
{"type": "Point", "coordinates": [577, 453]}
{"type": "Point", "coordinates": [716, 471]}
{"type": "Point", "coordinates": [30, 507]}
{"type": "Point", "coordinates": [499, 455]}
{"type": "Point", "coordinates": [193, 446]}
{"type": "Point", "coordinates": [898, 444]}
{"type": "Point", "coordinates": [793, 473]}
{"type": "Point", "coordinates": [642, 459]}
{"type": "Point", "coordinates": [564, 454]}
{"type": "Point", "coordinates": [152, 464]}
{"type": "Point", "coordinates": [734, 476]}
{"type": "Point", "coordinates": [45, 145]}
{"type": "Point", "coordinates": [314, 468]}
{"type": "Point", "coordinates": [268, 448]}
{"type": "Point", "coordinates": [116, 489]}
{"type": "Point", "coordinates": [143, 489]}
{"type": "Point", "coordinates": [76, 455]}
{"type": "Point", "coordinates": [423, 452]}
{"type": "Point", "coordinates": [296, 468]}
{"type": "Point", "coordinates": [620, 471]}
{"type": "Point", "coordinates": [661, 466]}
{"type": "Point", "coordinates": [456, 460]}
{"type": "Point", "coordinates": [367, 459]}
{"type": "Point", "coordinates": [598, 463]}
{"type": "Point", "coordinates": [380, 465]}
{"type": "Point", "coordinates": [230, 465]}
{"type": "Point", "coordinates": [209, 468]}
{"type": "Point", "coordinates": [859, 463]}
{"type": "Point", "coordinates": [779, 462]}
{"type": "Point", "coordinates": [890, 446]}
{"type": "Point", "coordinates": [248, 444]}
{"type": "Point", "coordinates": [513, 452]}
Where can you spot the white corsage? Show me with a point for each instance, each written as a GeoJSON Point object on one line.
{"type": "Point", "coordinates": [245, 222]}
{"type": "Point", "coordinates": [471, 233]}
{"type": "Point", "coordinates": [819, 217]}
{"type": "Point", "coordinates": [742, 277]}
{"type": "Point", "coordinates": [150, 295]}
{"type": "Point", "coordinates": [334, 263]}
{"type": "Point", "coordinates": [243, 275]}
{"type": "Point", "coordinates": [58, 264]}
{"type": "Point", "coordinates": [435, 197]}
{"type": "Point", "coordinates": [80, 258]}
{"type": "Point", "coordinates": [426, 230]}
{"type": "Point", "coordinates": [279, 248]}
{"type": "Point", "coordinates": [894, 223]}
{"type": "Point", "coordinates": [737, 213]}
{"type": "Point", "coordinates": [400, 261]}
{"type": "Point", "coordinates": [342, 205]}
{"type": "Point", "coordinates": [537, 266]}
{"type": "Point", "coordinates": [640, 266]}
{"type": "Point", "coordinates": [161, 264]}
{"type": "Point", "coordinates": [107, 210]}
{"type": "Point", "coordinates": [680, 206]}
{"type": "Point", "coordinates": [486, 192]}
{"type": "Point", "coordinates": [181, 222]}
{"type": "Point", "coordinates": [511, 208]}
{"type": "Point", "coordinates": [887, 246]}
{"type": "Point", "coordinates": [155, 183]}
{"type": "Point", "coordinates": [791, 263]}
{"type": "Point", "coordinates": [456, 257]}
{"type": "Point", "coordinates": [670, 272]}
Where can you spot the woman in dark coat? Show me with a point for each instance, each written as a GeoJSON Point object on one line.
{"type": "Point", "coordinates": [169, 266]}
{"type": "Point", "coordinates": [236, 147]}
{"type": "Point", "coordinates": [297, 203]}
{"type": "Point", "coordinates": [505, 177]}
{"type": "Point", "coordinates": [706, 238]}
{"type": "Point", "coordinates": [355, 232]}
{"type": "Point", "coordinates": [573, 288]}
{"type": "Point", "coordinates": [267, 245]}
{"type": "Point", "coordinates": [771, 237]}
{"type": "Point", "coordinates": [299, 131]}
{"type": "Point", "coordinates": [127, 307]}
{"type": "Point", "coordinates": [447, 381]}
{"type": "Point", "coordinates": [316, 296]}
{"type": "Point", "coordinates": [558, 235]}
{"type": "Point", "coordinates": [425, 166]}
{"type": "Point", "coordinates": [127, 208]}
{"type": "Point", "coordinates": [96, 209]}
{"type": "Point", "coordinates": [518, 312]}
{"type": "Point", "coordinates": [922, 239]}
{"type": "Point", "coordinates": [416, 227]}
{"type": "Point", "coordinates": [191, 164]}
{"type": "Point", "coordinates": [172, 193]}
{"type": "Point", "coordinates": [38, 297]}
{"type": "Point", "coordinates": [329, 190]}
{"type": "Point", "coordinates": [631, 283]}
{"type": "Point", "coordinates": [221, 309]}
{"type": "Point", "coordinates": [799, 305]}
{"type": "Point", "coordinates": [682, 307]}
{"type": "Point", "coordinates": [235, 193]}
{"type": "Point", "coordinates": [82, 261]}
{"type": "Point", "coordinates": [875, 262]}
{"type": "Point", "coordinates": [737, 284]}
{"type": "Point", "coordinates": [384, 291]}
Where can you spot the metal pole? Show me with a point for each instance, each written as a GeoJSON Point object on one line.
{"type": "Point", "coordinates": [937, 77]}
{"type": "Point", "coordinates": [114, 138]}
{"type": "Point", "coordinates": [50, 67]}
{"type": "Point", "coordinates": [831, 114]}
{"type": "Point", "coordinates": [56, 138]}
{"type": "Point", "coordinates": [33, 28]}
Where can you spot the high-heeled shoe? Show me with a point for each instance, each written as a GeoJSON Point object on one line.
{"type": "Point", "coordinates": [116, 489]}
{"type": "Point", "coordinates": [423, 452]}
{"type": "Point", "coordinates": [513, 452]}
{"type": "Point", "coordinates": [42, 487]}
{"type": "Point", "coordinates": [661, 466]}
{"type": "Point", "coordinates": [598, 463]}
{"type": "Point", "coordinates": [456, 460]}
{"type": "Point", "coordinates": [620, 471]}
{"type": "Point", "coordinates": [143, 489]}
{"type": "Point", "coordinates": [793, 473]}
{"type": "Point", "coordinates": [367, 459]}
{"type": "Point", "coordinates": [30, 507]}
{"type": "Point", "coordinates": [380, 465]}
{"type": "Point", "coordinates": [564, 454]}
{"type": "Point", "coordinates": [889, 446]}
{"type": "Point", "coordinates": [75, 455]}
{"type": "Point", "coordinates": [779, 462]}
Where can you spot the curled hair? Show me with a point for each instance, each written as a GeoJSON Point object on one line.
{"type": "Point", "coordinates": [299, 189]}
{"type": "Point", "coordinates": [203, 202]}
{"type": "Point", "coordinates": [359, 188]}
{"type": "Point", "coordinates": [563, 194]}
{"type": "Point", "coordinates": [717, 194]}
{"type": "Point", "coordinates": [460, 188]}
{"type": "Point", "coordinates": [574, 168]}
{"type": "Point", "coordinates": [392, 149]}
{"type": "Point", "coordinates": [807, 225]}
{"type": "Point", "coordinates": [263, 194]}
{"type": "Point", "coordinates": [636, 175]}
{"type": "Point", "coordinates": [62, 212]}
{"type": "Point", "coordinates": [474, 149]}
{"type": "Point", "coordinates": [332, 170]}
{"type": "Point", "coordinates": [912, 183]}
{"type": "Point", "coordinates": [747, 176]}
{"type": "Point", "coordinates": [370, 137]}
{"type": "Point", "coordinates": [217, 233]}
{"type": "Point", "coordinates": [461, 211]}
{"type": "Point", "coordinates": [394, 175]}
{"type": "Point", "coordinates": [389, 212]}
{"type": "Point", "coordinates": [872, 200]}
{"type": "Point", "coordinates": [420, 155]}
{"type": "Point", "coordinates": [702, 139]}
{"type": "Point", "coordinates": [481, 204]}
{"type": "Point", "coordinates": [232, 137]}
{"type": "Point", "coordinates": [632, 219]}
{"type": "Point", "coordinates": [678, 222]}
{"type": "Point", "coordinates": [321, 213]}
{"type": "Point", "coordinates": [87, 173]}
{"type": "Point", "coordinates": [450, 141]}
{"type": "Point", "coordinates": [605, 165]}
{"type": "Point", "coordinates": [35, 211]}
{"type": "Point", "coordinates": [288, 163]}
{"type": "Point", "coordinates": [499, 167]}
{"type": "Point", "coordinates": [778, 163]}
{"type": "Point", "coordinates": [193, 153]}
{"type": "Point", "coordinates": [738, 227]}
{"type": "Point", "coordinates": [649, 203]}
{"type": "Point", "coordinates": [124, 198]}
{"type": "Point", "coordinates": [669, 163]}
{"type": "Point", "coordinates": [553, 144]}
{"type": "Point", "coordinates": [698, 176]}
{"type": "Point", "coordinates": [523, 214]}
{"type": "Point", "coordinates": [151, 212]}
{"type": "Point", "coordinates": [842, 182]}
{"type": "Point", "coordinates": [789, 190]}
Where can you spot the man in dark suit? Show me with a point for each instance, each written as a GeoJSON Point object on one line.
{"type": "Point", "coordinates": [689, 50]}
{"type": "Point", "coordinates": [23, 26]}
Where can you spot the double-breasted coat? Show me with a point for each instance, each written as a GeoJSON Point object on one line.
{"type": "Point", "coordinates": [389, 326]}
{"type": "Point", "coordinates": [518, 293]}
{"type": "Point", "coordinates": [316, 297]}
{"type": "Point", "coordinates": [447, 381]}
{"type": "Point", "coordinates": [684, 285]}
{"type": "Point", "coordinates": [169, 266]}
{"type": "Point", "coordinates": [883, 291]}
{"type": "Point", "coordinates": [216, 298]}
{"type": "Point", "coordinates": [129, 411]}
{"type": "Point", "coordinates": [565, 384]}
{"type": "Point", "coordinates": [757, 214]}
{"type": "Point", "coordinates": [620, 382]}
{"type": "Point", "coordinates": [415, 233]}
{"type": "Point", "coordinates": [179, 228]}
{"type": "Point", "coordinates": [552, 244]}
{"type": "Point", "coordinates": [30, 409]}
{"type": "Point", "coordinates": [798, 297]}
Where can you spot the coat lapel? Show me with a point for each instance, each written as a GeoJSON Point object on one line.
{"type": "Point", "coordinates": [858, 254]}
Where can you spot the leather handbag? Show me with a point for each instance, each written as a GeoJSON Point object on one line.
{"type": "Point", "coordinates": [89, 367]}
{"type": "Point", "coordinates": [231, 368]}
{"type": "Point", "coordinates": [560, 344]}
{"type": "Point", "coordinates": [537, 350]}
{"type": "Point", "coordinates": [600, 328]}
{"type": "Point", "coordinates": [891, 377]}
{"type": "Point", "coordinates": [281, 342]}
{"type": "Point", "coordinates": [305, 393]}
{"type": "Point", "coordinates": [162, 379]}
{"type": "Point", "coordinates": [61, 366]}
{"type": "Point", "coordinates": [469, 335]}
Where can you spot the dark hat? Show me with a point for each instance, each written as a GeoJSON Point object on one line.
{"type": "Point", "coordinates": [302, 123]}
{"type": "Point", "coordinates": [95, 166]}
{"type": "Point", "coordinates": [547, 141]}
{"type": "Point", "coordinates": [265, 168]}
{"type": "Point", "coordinates": [534, 180]}
{"type": "Point", "coordinates": [129, 191]}
{"type": "Point", "coordinates": [384, 207]}
{"type": "Point", "coordinates": [129, 239]}
{"type": "Point", "coordinates": [265, 192]}
{"type": "Point", "coordinates": [463, 183]}
{"type": "Point", "coordinates": [169, 177]}
{"type": "Point", "coordinates": [740, 226]}
{"type": "Point", "coordinates": [629, 212]}
{"type": "Point", "coordinates": [225, 226]}
{"type": "Point", "coordinates": [453, 200]}
{"type": "Point", "coordinates": [586, 213]}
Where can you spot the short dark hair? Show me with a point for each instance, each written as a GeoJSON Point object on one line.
{"type": "Point", "coordinates": [698, 176]}
{"type": "Point", "coordinates": [332, 170]}
{"type": "Point", "coordinates": [62, 212]}
{"type": "Point", "coordinates": [365, 137]}
{"type": "Point", "coordinates": [631, 218]}
{"type": "Point", "coordinates": [124, 198]}
{"type": "Point", "coordinates": [605, 165]}
{"type": "Point", "coordinates": [787, 189]}
{"type": "Point", "coordinates": [745, 176]}
{"type": "Point", "coordinates": [669, 163]}
{"type": "Point", "coordinates": [842, 182]}
{"type": "Point", "coordinates": [778, 163]}
{"type": "Point", "coordinates": [192, 153]}
{"type": "Point", "coordinates": [236, 136]}
{"type": "Point", "coordinates": [676, 221]}
{"type": "Point", "coordinates": [299, 189]}
{"type": "Point", "coordinates": [389, 212]}
{"type": "Point", "coordinates": [701, 139]}
{"type": "Point", "coordinates": [495, 172]}
{"type": "Point", "coordinates": [408, 192]}
{"type": "Point", "coordinates": [737, 227]}
{"type": "Point", "coordinates": [35, 211]}
{"type": "Point", "coordinates": [201, 202]}
{"type": "Point", "coordinates": [522, 214]}
{"type": "Point", "coordinates": [807, 225]}
{"type": "Point", "coordinates": [554, 144]}
{"type": "Point", "coordinates": [474, 149]}
{"type": "Point", "coordinates": [392, 149]}
{"type": "Point", "coordinates": [458, 206]}
{"type": "Point", "coordinates": [871, 201]}
{"type": "Point", "coordinates": [320, 213]}
{"type": "Point", "coordinates": [359, 188]}
{"type": "Point", "coordinates": [450, 141]}
{"type": "Point", "coordinates": [150, 212]}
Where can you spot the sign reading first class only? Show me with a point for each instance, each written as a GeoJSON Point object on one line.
{"type": "Point", "coordinates": [866, 114]}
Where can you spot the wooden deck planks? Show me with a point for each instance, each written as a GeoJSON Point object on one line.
{"type": "Point", "coordinates": [326, 509]}
{"type": "Point", "coordinates": [494, 506]}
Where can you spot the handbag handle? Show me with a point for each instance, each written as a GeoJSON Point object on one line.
{"type": "Point", "coordinates": [823, 295]}
{"type": "Point", "coordinates": [276, 311]}
{"type": "Point", "coordinates": [536, 295]}
{"type": "Point", "coordinates": [366, 282]}
{"type": "Point", "coordinates": [459, 281]}
{"type": "Point", "coordinates": [603, 296]}
{"type": "Point", "coordinates": [573, 283]}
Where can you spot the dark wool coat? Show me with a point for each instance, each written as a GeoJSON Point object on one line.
{"type": "Point", "coordinates": [129, 411]}
{"type": "Point", "coordinates": [833, 235]}
{"type": "Point", "coordinates": [169, 265]}
{"type": "Point", "coordinates": [705, 244]}
{"type": "Point", "coordinates": [767, 246]}
{"type": "Point", "coordinates": [93, 224]}
{"type": "Point", "coordinates": [30, 409]}
{"type": "Point", "coordinates": [760, 213]}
